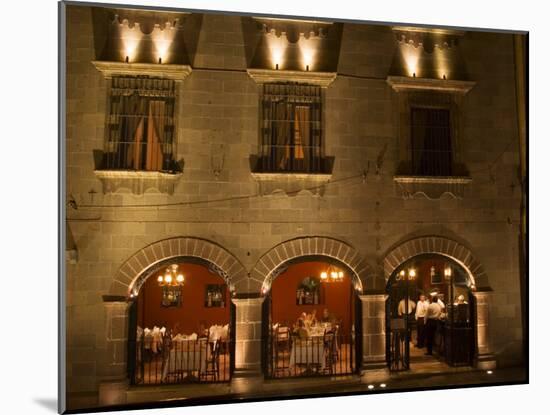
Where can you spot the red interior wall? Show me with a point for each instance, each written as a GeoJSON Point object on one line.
{"type": "Point", "coordinates": [192, 311]}
{"type": "Point", "coordinates": [336, 297]}
{"type": "Point", "coordinates": [424, 279]}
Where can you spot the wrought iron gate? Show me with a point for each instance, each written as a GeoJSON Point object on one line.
{"type": "Point", "coordinates": [167, 361]}
{"type": "Point", "coordinates": [329, 352]}
{"type": "Point", "coordinates": [398, 327]}
{"type": "Point", "coordinates": [452, 335]}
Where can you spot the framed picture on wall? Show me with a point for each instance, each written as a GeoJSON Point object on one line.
{"type": "Point", "coordinates": [214, 295]}
{"type": "Point", "coordinates": [171, 297]}
{"type": "Point", "coordinates": [309, 291]}
{"type": "Point", "coordinates": [435, 276]}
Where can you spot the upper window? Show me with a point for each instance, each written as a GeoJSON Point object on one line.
{"type": "Point", "coordinates": [291, 135]}
{"type": "Point", "coordinates": [431, 142]}
{"type": "Point", "coordinates": [140, 127]}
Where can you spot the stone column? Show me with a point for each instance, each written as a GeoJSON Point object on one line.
{"type": "Point", "coordinates": [114, 383]}
{"type": "Point", "coordinates": [485, 358]}
{"type": "Point", "coordinates": [374, 337]}
{"type": "Point", "coordinates": [248, 348]}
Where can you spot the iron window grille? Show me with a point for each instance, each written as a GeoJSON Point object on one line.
{"type": "Point", "coordinates": [291, 129]}
{"type": "Point", "coordinates": [140, 127]}
{"type": "Point", "coordinates": [431, 142]}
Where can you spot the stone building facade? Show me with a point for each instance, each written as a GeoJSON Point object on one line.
{"type": "Point", "coordinates": [365, 210]}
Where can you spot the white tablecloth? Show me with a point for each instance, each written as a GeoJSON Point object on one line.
{"type": "Point", "coordinates": [152, 339]}
{"type": "Point", "coordinates": [310, 351]}
{"type": "Point", "coordinates": [186, 356]}
{"type": "Point", "coordinates": [217, 332]}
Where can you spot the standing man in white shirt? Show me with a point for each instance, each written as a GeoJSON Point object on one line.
{"type": "Point", "coordinates": [433, 314]}
{"type": "Point", "coordinates": [420, 315]}
{"type": "Point", "coordinates": [406, 308]}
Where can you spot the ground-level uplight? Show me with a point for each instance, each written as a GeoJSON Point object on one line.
{"type": "Point", "coordinates": [370, 386]}
{"type": "Point", "coordinates": [489, 372]}
{"type": "Point", "coordinates": [382, 385]}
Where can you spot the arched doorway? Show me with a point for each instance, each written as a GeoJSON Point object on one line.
{"type": "Point", "coordinates": [120, 302]}
{"type": "Point", "coordinates": [430, 313]}
{"type": "Point", "coordinates": [312, 321]}
{"type": "Point", "coordinates": [181, 324]}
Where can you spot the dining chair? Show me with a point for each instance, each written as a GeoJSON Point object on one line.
{"type": "Point", "coordinates": [212, 360]}
{"type": "Point", "coordinates": [329, 341]}
{"type": "Point", "coordinates": [282, 346]}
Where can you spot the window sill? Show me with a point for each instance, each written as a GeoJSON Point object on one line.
{"type": "Point", "coordinates": [407, 83]}
{"type": "Point", "coordinates": [431, 187]}
{"type": "Point", "coordinates": [137, 181]}
{"type": "Point", "coordinates": [267, 176]}
{"type": "Point", "coordinates": [262, 76]}
{"type": "Point", "coordinates": [292, 183]}
{"type": "Point", "coordinates": [169, 71]}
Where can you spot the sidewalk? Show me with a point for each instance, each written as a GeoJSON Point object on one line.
{"type": "Point", "coordinates": [179, 395]}
{"type": "Point", "coordinates": [350, 384]}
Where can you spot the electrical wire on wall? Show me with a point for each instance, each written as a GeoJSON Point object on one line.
{"type": "Point", "coordinates": [74, 205]}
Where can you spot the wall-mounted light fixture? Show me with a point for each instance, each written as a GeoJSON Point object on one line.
{"type": "Point", "coordinates": [404, 275]}
{"type": "Point", "coordinates": [277, 66]}
{"type": "Point", "coordinates": [127, 60]}
{"type": "Point", "coordinates": [307, 68]}
{"type": "Point", "coordinates": [160, 60]}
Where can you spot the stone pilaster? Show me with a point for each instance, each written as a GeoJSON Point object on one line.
{"type": "Point", "coordinates": [114, 383]}
{"type": "Point", "coordinates": [485, 358]}
{"type": "Point", "coordinates": [374, 337]}
{"type": "Point", "coordinates": [248, 348]}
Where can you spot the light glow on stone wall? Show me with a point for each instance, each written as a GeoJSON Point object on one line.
{"type": "Point", "coordinates": [131, 38]}
{"type": "Point", "coordinates": [308, 50]}
{"type": "Point", "coordinates": [163, 39]}
{"type": "Point", "coordinates": [441, 63]}
{"type": "Point", "coordinates": [411, 56]}
{"type": "Point", "coordinates": [277, 46]}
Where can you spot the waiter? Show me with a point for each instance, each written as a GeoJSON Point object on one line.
{"type": "Point", "coordinates": [406, 307]}
{"type": "Point", "coordinates": [433, 314]}
{"type": "Point", "coordinates": [420, 315]}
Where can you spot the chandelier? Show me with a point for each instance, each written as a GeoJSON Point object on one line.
{"type": "Point", "coordinates": [171, 278]}
{"type": "Point", "coordinates": [332, 274]}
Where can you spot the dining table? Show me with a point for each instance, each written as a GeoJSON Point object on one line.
{"type": "Point", "coordinates": [310, 351]}
{"type": "Point", "coordinates": [185, 356]}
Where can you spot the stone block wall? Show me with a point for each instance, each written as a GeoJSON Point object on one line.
{"type": "Point", "coordinates": [218, 130]}
{"type": "Point", "coordinates": [248, 333]}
